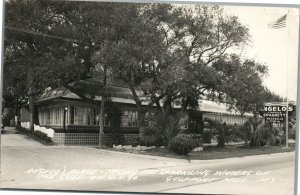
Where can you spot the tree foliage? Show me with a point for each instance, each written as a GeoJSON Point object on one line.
{"type": "Point", "coordinates": [169, 51]}
{"type": "Point", "coordinates": [33, 61]}
{"type": "Point", "coordinates": [168, 55]}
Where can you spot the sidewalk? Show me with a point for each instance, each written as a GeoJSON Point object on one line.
{"type": "Point", "coordinates": [12, 138]}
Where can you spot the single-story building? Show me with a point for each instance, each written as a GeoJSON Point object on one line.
{"type": "Point", "coordinates": [74, 119]}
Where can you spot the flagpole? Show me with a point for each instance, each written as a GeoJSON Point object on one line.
{"type": "Point", "coordinates": [281, 23]}
{"type": "Point", "coordinates": [287, 83]}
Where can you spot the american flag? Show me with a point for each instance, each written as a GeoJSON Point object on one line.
{"type": "Point", "coordinates": [279, 23]}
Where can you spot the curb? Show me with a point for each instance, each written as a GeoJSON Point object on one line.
{"type": "Point", "coordinates": [170, 159]}
{"type": "Point", "coordinates": [145, 156]}
{"type": "Point", "coordinates": [243, 157]}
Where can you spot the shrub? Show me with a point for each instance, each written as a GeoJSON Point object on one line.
{"type": "Point", "coordinates": [219, 130]}
{"type": "Point", "coordinates": [22, 129]}
{"type": "Point", "coordinates": [259, 142]}
{"type": "Point", "coordinates": [145, 142]}
{"type": "Point", "coordinates": [292, 130]}
{"type": "Point", "coordinates": [159, 140]}
{"type": "Point", "coordinates": [275, 141]}
{"type": "Point", "coordinates": [259, 132]}
{"type": "Point", "coordinates": [37, 134]}
{"type": "Point", "coordinates": [292, 134]}
{"type": "Point", "coordinates": [41, 135]}
{"type": "Point", "coordinates": [148, 131]}
{"type": "Point", "coordinates": [168, 126]}
{"type": "Point", "coordinates": [182, 144]}
{"type": "Point", "coordinates": [207, 136]}
{"type": "Point", "coordinates": [117, 137]}
{"type": "Point", "coordinates": [137, 141]}
{"type": "Point", "coordinates": [7, 115]}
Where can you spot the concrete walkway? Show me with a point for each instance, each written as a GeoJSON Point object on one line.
{"type": "Point", "coordinates": [13, 138]}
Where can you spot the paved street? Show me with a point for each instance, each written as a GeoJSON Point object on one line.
{"type": "Point", "coordinates": [28, 164]}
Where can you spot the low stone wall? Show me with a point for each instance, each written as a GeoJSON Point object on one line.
{"type": "Point", "coordinates": [92, 139]}
{"type": "Point", "coordinates": [48, 131]}
{"type": "Point", "coordinates": [89, 129]}
{"type": "Point", "coordinates": [25, 125]}
{"type": "Point", "coordinates": [76, 139]}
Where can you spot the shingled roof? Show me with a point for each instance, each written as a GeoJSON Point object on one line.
{"type": "Point", "coordinates": [118, 91]}
{"type": "Point", "coordinates": [90, 89]}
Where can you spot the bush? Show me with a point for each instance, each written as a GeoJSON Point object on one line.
{"type": "Point", "coordinates": [260, 133]}
{"type": "Point", "coordinates": [207, 136]}
{"type": "Point", "coordinates": [292, 131]}
{"type": "Point", "coordinates": [37, 134]}
{"type": "Point", "coordinates": [136, 142]}
{"type": "Point", "coordinates": [117, 137]}
{"type": "Point", "coordinates": [182, 144]}
{"type": "Point", "coordinates": [41, 135]}
{"type": "Point", "coordinates": [168, 126]}
{"type": "Point", "coordinates": [159, 140]}
{"type": "Point", "coordinates": [148, 131]}
{"type": "Point", "coordinates": [22, 129]}
{"type": "Point", "coordinates": [275, 141]}
{"type": "Point", "coordinates": [259, 142]}
{"type": "Point", "coordinates": [223, 132]}
{"type": "Point", "coordinates": [142, 142]}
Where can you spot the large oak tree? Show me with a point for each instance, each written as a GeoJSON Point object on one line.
{"type": "Point", "coordinates": [167, 54]}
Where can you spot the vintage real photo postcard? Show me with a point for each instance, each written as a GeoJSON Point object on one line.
{"type": "Point", "coordinates": [149, 97]}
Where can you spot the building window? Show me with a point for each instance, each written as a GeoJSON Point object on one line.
{"type": "Point", "coordinates": [149, 119]}
{"type": "Point", "coordinates": [129, 118]}
{"type": "Point", "coordinates": [48, 116]}
{"type": "Point", "coordinates": [106, 119]}
{"type": "Point", "coordinates": [57, 116]}
{"type": "Point", "coordinates": [41, 117]}
{"type": "Point", "coordinates": [52, 116]}
{"type": "Point", "coordinates": [76, 121]}
{"type": "Point", "coordinates": [81, 115]}
{"type": "Point", "coordinates": [72, 114]}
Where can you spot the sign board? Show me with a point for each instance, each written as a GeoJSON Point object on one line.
{"type": "Point", "coordinates": [276, 113]}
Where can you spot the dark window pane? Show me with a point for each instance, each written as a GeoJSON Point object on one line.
{"type": "Point", "coordinates": [72, 114]}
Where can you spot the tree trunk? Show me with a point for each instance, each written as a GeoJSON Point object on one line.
{"type": "Point", "coordinates": [102, 112]}
{"type": "Point", "coordinates": [16, 112]}
{"type": "Point", "coordinates": [31, 111]}
{"type": "Point", "coordinates": [101, 123]}
{"type": "Point", "coordinates": [221, 138]}
{"type": "Point", "coordinates": [31, 98]}
{"type": "Point", "coordinates": [141, 109]}
{"type": "Point", "coordinates": [141, 121]}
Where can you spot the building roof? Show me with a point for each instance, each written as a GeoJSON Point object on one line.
{"type": "Point", "coordinates": [119, 92]}
{"type": "Point", "coordinates": [89, 89]}
{"type": "Point", "coordinates": [222, 108]}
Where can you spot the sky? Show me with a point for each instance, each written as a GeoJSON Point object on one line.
{"type": "Point", "coordinates": [276, 48]}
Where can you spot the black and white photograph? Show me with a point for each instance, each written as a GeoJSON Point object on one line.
{"type": "Point", "coordinates": [149, 97]}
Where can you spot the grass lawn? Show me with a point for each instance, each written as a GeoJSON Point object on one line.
{"type": "Point", "coordinates": [213, 152]}
{"type": "Point", "coordinates": [239, 151]}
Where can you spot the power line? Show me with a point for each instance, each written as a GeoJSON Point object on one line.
{"type": "Point", "coordinates": [41, 34]}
